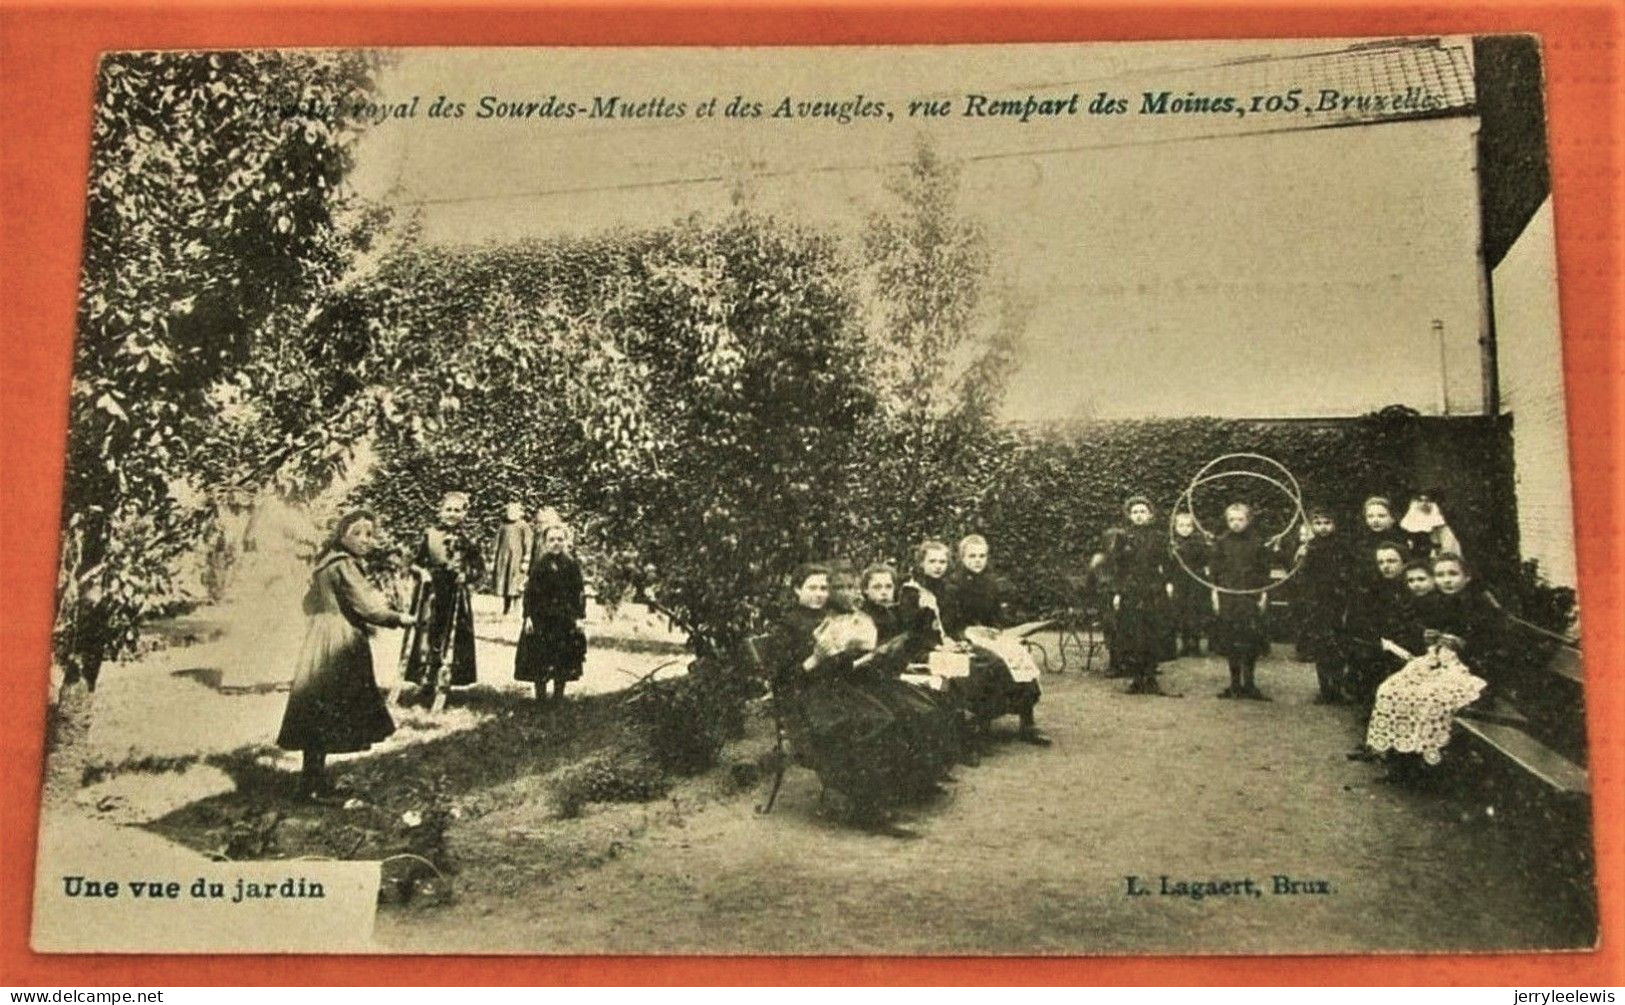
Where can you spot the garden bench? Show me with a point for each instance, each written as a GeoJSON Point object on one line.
{"type": "Point", "coordinates": [785, 749]}
{"type": "Point", "coordinates": [1551, 711]}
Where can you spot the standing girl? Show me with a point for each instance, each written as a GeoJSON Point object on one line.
{"type": "Point", "coordinates": [1142, 586]}
{"type": "Point", "coordinates": [445, 653]}
{"type": "Point", "coordinates": [1191, 603]}
{"type": "Point", "coordinates": [553, 641]}
{"type": "Point", "coordinates": [515, 538]}
{"type": "Point", "coordinates": [1324, 570]}
{"type": "Point", "coordinates": [1380, 529]}
{"type": "Point", "coordinates": [1240, 562]}
{"type": "Point", "coordinates": [334, 707]}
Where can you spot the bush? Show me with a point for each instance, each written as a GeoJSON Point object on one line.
{"type": "Point", "coordinates": [685, 721]}
{"type": "Point", "coordinates": [616, 776]}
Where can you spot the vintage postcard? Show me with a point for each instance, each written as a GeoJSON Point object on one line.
{"type": "Point", "coordinates": [1013, 499]}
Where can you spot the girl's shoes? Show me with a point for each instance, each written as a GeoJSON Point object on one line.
{"type": "Point", "coordinates": [1254, 694]}
{"type": "Point", "coordinates": [1230, 692]}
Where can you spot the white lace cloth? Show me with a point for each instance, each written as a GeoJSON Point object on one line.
{"type": "Point", "coordinates": [1416, 705]}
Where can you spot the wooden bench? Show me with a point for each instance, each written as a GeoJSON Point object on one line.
{"type": "Point", "coordinates": [785, 750]}
{"type": "Point", "coordinates": [1557, 772]}
{"type": "Point", "coordinates": [1516, 733]}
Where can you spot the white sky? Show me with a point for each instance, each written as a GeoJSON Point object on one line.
{"type": "Point", "coordinates": [1176, 265]}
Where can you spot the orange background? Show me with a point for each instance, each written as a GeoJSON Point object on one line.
{"type": "Point", "coordinates": [48, 58]}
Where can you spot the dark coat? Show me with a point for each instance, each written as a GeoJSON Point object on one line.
{"type": "Point", "coordinates": [1470, 616]}
{"type": "Point", "coordinates": [978, 600]}
{"type": "Point", "coordinates": [919, 619]}
{"type": "Point", "coordinates": [1240, 562]}
{"type": "Point", "coordinates": [888, 622]}
{"type": "Point", "coordinates": [1378, 609]}
{"type": "Point", "coordinates": [555, 598]}
{"type": "Point", "coordinates": [1140, 575]}
{"type": "Point", "coordinates": [1323, 580]}
{"type": "Point", "coordinates": [335, 707]}
{"type": "Point", "coordinates": [511, 558]}
{"type": "Point", "coordinates": [453, 562]}
{"type": "Point", "coordinates": [868, 736]}
{"type": "Point", "coordinates": [1193, 601]}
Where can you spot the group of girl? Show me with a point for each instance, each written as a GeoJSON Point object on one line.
{"type": "Point", "coordinates": [335, 706]}
{"type": "Point", "coordinates": [1389, 616]}
{"type": "Point", "coordinates": [885, 685]}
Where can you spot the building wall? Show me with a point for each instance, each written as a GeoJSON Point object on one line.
{"type": "Point", "coordinates": [1531, 373]}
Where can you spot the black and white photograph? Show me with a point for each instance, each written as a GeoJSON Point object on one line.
{"type": "Point", "coordinates": [1075, 499]}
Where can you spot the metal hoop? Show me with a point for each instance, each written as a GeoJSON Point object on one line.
{"type": "Point", "coordinates": [1187, 498]}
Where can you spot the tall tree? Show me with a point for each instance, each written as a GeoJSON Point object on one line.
{"type": "Point", "coordinates": [216, 201]}
{"type": "Point", "coordinates": [943, 337]}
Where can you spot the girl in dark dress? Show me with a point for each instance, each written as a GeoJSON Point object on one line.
{"type": "Point", "coordinates": [1457, 608]}
{"type": "Point", "coordinates": [1380, 528]}
{"type": "Point", "coordinates": [1143, 587]}
{"type": "Point", "coordinates": [1240, 562]}
{"type": "Point", "coordinates": [979, 604]}
{"type": "Point", "coordinates": [926, 720]}
{"type": "Point", "coordinates": [850, 735]}
{"type": "Point", "coordinates": [1458, 645]}
{"type": "Point", "coordinates": [553, 641]}
{"type": "Point", "coordinates": [927, 605]}
{"type": "Point", "coordinates": [1382, 617]}
{"type": "Point", "coordinates": [1324, 571]}
{"type": "Point", "coordinates": [335, 707]}
{"type": "Point", "coordinates": [1191, 600]}
{"type": "Point", "coordinates": [453, 562]}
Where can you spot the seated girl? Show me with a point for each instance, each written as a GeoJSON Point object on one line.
{"type": "Point", "coordinates": [1381, 619]}
{"type": "Point", "coordinates": [1457, 608]}
{"type": "Point", "coordinates": [979, 611]}
{"type": "Point", "coordinates": [1415, 708]}
{"type": "Point", "coordinates": [850, 734]}
{"type": "Point", "coordinates": [926, 606]}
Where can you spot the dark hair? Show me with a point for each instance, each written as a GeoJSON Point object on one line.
{"type": "Point", "coordinates": [1450, 556]}
{"type": "Point", "coordinates": [808, 570]}
{"type": "Point", "coordinates": [336, 538]}
{"type": "Point", "coordinates": [877, 569]}
{"type": "Point", "coordinates": [1419, 563]}
{"type": "Point", "coordinates": [1323, 511]}
{"type": "Point", "coordinates": [1393, 546]}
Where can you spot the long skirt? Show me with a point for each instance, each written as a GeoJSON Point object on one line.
{"type": "Point", "coordinates": [1140, 638]}
{"type": "Point", "coordinates": [1238, 631]}
{"type": "Point", "coordinates": [855, 739]}
{"type": "Point", "coordinates": [335, 707]}
{"type": "Point", "coordinates": [451, 614]}
{"type": "Point", "coordinates": [1416, 707]}
{"type": "Point", "coordinates": [555, 651]}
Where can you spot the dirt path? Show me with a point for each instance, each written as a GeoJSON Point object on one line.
{"type": "Point", "coordinates": [1029, 852]}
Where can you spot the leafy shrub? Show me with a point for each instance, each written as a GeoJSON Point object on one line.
{"type": "Point", "coordinates": [616, 776]}
{"type": "Point", "coordinates": [686, 720]}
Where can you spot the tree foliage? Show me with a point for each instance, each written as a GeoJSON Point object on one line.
{"type": "Point", "coordinates": [693, 396]}
{"type": "Point", "coordinates": [215, 205]}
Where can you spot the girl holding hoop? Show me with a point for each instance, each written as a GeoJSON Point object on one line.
{"type": "Point", "coordinates": [1241, 570]}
